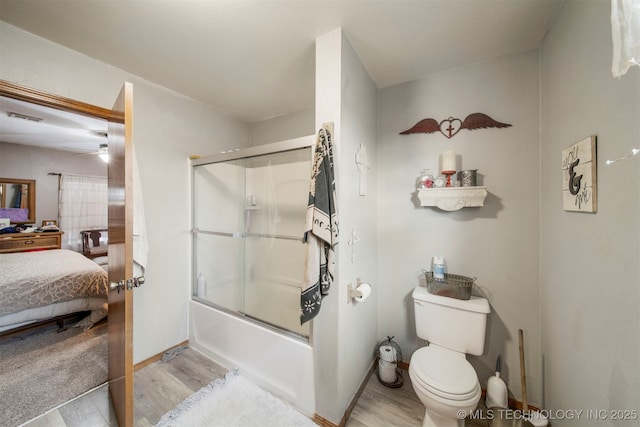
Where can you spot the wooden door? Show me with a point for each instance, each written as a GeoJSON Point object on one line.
{"type": "Point", "coordinates": [120, 230]}
{"type": "Point", "coordinates": [121, 256]}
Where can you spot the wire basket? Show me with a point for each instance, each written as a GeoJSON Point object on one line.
{"type": "Point", "coordinates": [453, 285]}
{"type": "Point", "coordinates": [388, 371]}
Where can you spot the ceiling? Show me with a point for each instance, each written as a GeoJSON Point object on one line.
{"type": "Point", "coordinates": [255, 59]}
{"type": "Point", "coordinates": [50, 128]}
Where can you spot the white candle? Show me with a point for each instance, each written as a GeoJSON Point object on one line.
{"type": "Point", "coordinates": [448, 161]}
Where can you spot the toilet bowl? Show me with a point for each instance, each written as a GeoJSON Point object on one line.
{"type": "Point", "coordinates": [446, 384]}
{"type": "Point", "coordinates": [443, 379]}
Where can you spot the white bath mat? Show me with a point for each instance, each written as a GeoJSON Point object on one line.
{"type": "Point", "coordinates": [234, 401]}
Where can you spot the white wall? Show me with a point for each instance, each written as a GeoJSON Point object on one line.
{"type": "Point", "coordinates": [27, 162]}
{"type": "Point", "coordinates": [358, 331]}
{"type": "Point", "coordinates": [325, 328]}
{"type": "Point", "coordinates": [497, 243]}
{"type": "Point", "coordinates": [589, 262]}
{"type": "Point", "coordinates": [288, 126]}
{"type": "Point", "coordinates": [167, 129]}
{"type": "Point", "coordinates": [345, 335]}
{"type": "Point", "coordinates": [569, 280]}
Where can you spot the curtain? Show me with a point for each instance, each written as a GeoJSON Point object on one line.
{"type": "Point", "coordinates": [83, 204]}
{"type": "Point", "coordinates": [625, 31]}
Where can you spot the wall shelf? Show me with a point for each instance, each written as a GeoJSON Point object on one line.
{"type": "Point", "coordinates": [453, 198]}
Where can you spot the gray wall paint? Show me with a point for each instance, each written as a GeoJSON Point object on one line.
{"type": "Point", "coordinates": [358, 332]}
{"type": "Point", "coordinates": [26, 162]}
{"type": "Point", "coordinates": [167, 128]}
{"type": "Point", "coordinates": [344, 335]}
{"type": "Point", "coordinates": [288, 126]}
{"type": "Point", "coordinates": [590, 267]}
{"type": "Point", "coordinates": [497, 243]}
{"type": "Point", "coordinates": [325, 328]}
{"type": "Point", "coordinates": [569, 280]}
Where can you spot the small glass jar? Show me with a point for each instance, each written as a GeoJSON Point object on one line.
{"type": "Point", "coordinates": [425, 180]}
{"type": "Point", "coordinates": [439, 181]}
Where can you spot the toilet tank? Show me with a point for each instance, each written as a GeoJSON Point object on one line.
{"type": "Point", "coordinates": [459, 325]}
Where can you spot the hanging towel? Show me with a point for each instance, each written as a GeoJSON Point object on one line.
{"type": "Point", "coordinates": [140, 244]}
{"type": "Point", "coordinates": [321, 229]}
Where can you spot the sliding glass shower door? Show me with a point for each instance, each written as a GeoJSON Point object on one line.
{"type": "Point", "coordinates": [248, 216]}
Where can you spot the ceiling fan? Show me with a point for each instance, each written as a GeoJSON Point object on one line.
{"type": "Point", "coordinates": [102, 152]}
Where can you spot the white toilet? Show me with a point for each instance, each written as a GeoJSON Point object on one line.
{"type": "Point", "coordinates": [443, 379]}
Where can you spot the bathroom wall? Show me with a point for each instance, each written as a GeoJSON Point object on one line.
{"type": "Point", "coordinates": [357, 258]}
{"type": "Point", "coordinates": [589, 262]}
{"type": "Point", "coordinates": [281, 128]}
{"type": "Point", "coordinates": [168, 127]}
{"type": "Point", "coordinates": [27, 162]}
{"type": "Point", "coordinates": [345, 334]}
{"type": "Point", "coordinates": [569, 280]}
{"type": "Point", "coordinates": [497, 243]}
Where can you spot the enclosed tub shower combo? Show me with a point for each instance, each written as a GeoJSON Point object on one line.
{"type": "Point", "coordinates": [248, 257]}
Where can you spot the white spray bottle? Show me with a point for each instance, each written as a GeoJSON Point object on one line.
{"type": "Point", "coordinates": [438, 268]}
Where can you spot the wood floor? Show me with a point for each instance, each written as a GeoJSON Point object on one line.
{"type": "Point", "coordinates": [160, 386]}
{"type": "Point", "coordinates": [380, 406]}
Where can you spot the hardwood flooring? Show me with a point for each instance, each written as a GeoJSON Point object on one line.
{"type": "Point", "coordinates": [160, 386]}
{"type": "Point", "coordinates": [380, 406]}
{"type": "Point", "coordinates": [383, 406]}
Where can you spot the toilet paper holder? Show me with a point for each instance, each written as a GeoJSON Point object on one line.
{"type": "Point", "coordinates": [354, 292]}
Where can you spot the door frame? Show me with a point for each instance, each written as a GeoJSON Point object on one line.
{"type": "Point", "coordinates": [34, 96]}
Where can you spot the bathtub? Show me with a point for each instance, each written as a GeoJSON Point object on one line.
{"type": "Point", "coordinates": [280, 364]}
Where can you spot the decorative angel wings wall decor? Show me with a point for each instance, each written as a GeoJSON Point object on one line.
{"type": "Point", "coordinates": [451, 126]}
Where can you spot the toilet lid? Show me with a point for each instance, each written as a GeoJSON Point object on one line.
{"type": "Point", "coordinates": [444, 373]}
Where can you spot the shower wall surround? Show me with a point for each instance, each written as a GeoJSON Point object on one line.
{"type": "Point", "coordinates": [248, 220]}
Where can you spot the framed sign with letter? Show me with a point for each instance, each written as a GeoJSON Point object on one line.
{"type": "Point", "coordinates": [579, 176]}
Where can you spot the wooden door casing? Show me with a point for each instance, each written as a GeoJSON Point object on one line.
{"type": "Point", "coordinates": [122, 311]}
{"type": "Point", "coordinates": [120, 146]}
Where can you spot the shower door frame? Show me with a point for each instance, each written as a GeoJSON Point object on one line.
{"type": "Point", "coordinates": [308, 141]}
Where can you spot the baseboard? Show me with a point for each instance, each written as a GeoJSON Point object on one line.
{"type": "Point", "coordinates": [157, 357]}
{"type": "Point", "coordinates": [354, 401]}
{"type": "Point", "coordinates": [513, 403]}
{"type": "Point", "coordinates": [321, 421]}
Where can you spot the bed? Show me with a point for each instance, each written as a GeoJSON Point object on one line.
{"type": "Point", "coordinates": [36, 286]}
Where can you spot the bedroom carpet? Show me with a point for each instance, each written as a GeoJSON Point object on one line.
{"type": "Point", "coordinates": [234, 401]}
{"type": "Point", "coordinates": [42, 369]}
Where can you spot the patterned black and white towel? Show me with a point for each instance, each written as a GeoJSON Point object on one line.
{"type": "Point", "coordinates": [321, 229]}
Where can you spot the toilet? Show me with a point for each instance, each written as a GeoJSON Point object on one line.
{"type": "Point", "coordinates": [445, 382]}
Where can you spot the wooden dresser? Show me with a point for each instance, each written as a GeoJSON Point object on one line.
{"type": "Point", "coordinates": [20, 242]}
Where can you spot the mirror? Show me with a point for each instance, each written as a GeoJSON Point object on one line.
{"type": "Point", "coordinates": [18, 200]}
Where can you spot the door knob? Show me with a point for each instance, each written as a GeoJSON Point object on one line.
{"type": "Point", "coordinates": [128, 284]}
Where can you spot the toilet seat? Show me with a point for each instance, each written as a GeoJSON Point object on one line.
{"type": "Point", "coordinates": [444, 373]}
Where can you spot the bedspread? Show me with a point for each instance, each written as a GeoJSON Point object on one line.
{"type": "Point", "coordinates": [36, 279]}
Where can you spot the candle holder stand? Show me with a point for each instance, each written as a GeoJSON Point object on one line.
{"type": "Point", "coordinates": [448, 175]}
